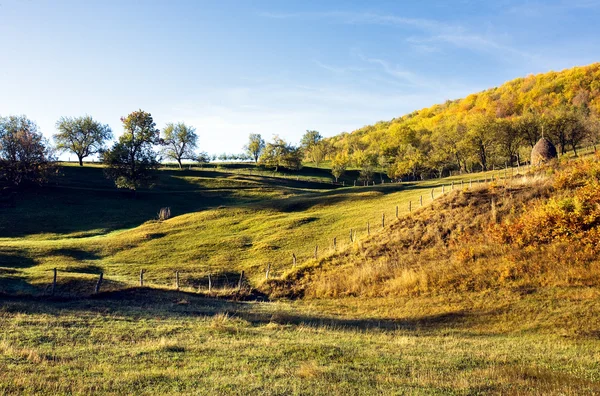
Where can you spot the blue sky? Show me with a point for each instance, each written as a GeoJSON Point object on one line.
{"type": "Point", "coordinates": [231, 68]}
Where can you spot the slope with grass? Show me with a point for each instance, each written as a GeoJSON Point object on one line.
{"type": "Point", "coordinates": [453, 298]}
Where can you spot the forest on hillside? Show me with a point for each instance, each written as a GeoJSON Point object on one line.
{"type": "Point", "coordinates": [494, 128]}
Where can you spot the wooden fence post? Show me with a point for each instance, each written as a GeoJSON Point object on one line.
{"type": "Point", "coordinates": [141, 278]}
{"type": "Point", "coordinates": [410, 206]}
{"type": "Point", "coordinates": [368, 228]}
{"type": "Point", "coordinates": [443, 189]}
{"type": "Point", "coordinates": [209, 283]}
{"type": "Point", "coordinates": [54, 281]}
{"type": "Point", "coordinates": [268, 270]}
{"type": "Point", "coordinates": [396, 211]}
{"type": "Point", "coordinates": [97, 289]}
{"type": "Point", "coordinates": [421, 200]}
{"type": "Point", "coordinates": [240, 281]}
{"type": "Point", "coordinates": [334, 243]}
{"type": "Point", "coordinates": [177, 280]}
{"type": "Point", "coordinates": [452, 186]}
{"type": "Point", "coordinates": [294, 259]}
{"type": "Point", "coordinates": [432, 194]}
{"type": "Point", "coordinates": [383, 220]}
{"type": "Point", "coordinates": [351, 236]}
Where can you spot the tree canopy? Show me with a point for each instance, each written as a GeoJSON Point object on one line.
{"type": "Point", "coordinates": [82, 136]}
{"type": "Point", "coordinates": [25, 156]}
{"type": "Point", "coordinates": [131, 159]}
{"type": "Point", "coordinates": [180, 142]}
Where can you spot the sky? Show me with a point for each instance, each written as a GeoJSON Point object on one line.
{"type": "Point", "coordinates": [231, 68]}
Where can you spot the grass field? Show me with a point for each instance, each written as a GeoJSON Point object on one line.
{"type": "Point", "coordinates": [228, 219]}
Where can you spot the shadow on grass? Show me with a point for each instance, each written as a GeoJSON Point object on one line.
{"type": "Point", "coordinates": [146, 303]}
{"type": "Point", "coordinates": [13, 258]}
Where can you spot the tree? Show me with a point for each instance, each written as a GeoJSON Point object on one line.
{"type": "Point", "coordinates": [339, 165]}
{"type": "Point", "coordinates": [482, 140]}
{"type": "Point", "coordinates": [25, 156]}
{"type": "Point", "coordinates": [509, 140]}
{"type": "Point", "coordinates": [314, 147]}
{"type": "Point", "coordinates": [180, 141]}
{"type": "Point", "coordinates": [366, 162]}
{"type": "Point", "coordinates": [255, 146]}
{"type": "Point", "coordinates": [131, 159]}
{"type": "Point", "coordinates": [83, 136]}
{"type": "Point", "coordinates": [280, 153]}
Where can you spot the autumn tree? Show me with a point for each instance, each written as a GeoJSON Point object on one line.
{"type": "Point", "coordinates": [481, 139]}
{"type": "Point", "coordinates": [314, 147]}
{"type": "Point", "coordinates": [130, 161]}
{"type": "Point", "coordinates": [25, 157]}
{"type": "Point", "coordinates": [179, 141]}
{"type": "Point", "coordinates": [280, 153]}
{"type": "Point", "coordinates": [82, 136]}
{"type": "Point", "coordinates": [255, 146]}
{"type": "Point", "coordinates": [509, 140]}
{"type": "Point", "coordinates": [339, 164]}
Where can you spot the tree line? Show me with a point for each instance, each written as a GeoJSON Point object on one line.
{"type": "Point", "coordinates": [26, 157]}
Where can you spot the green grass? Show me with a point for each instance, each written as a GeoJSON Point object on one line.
{"type": "Point", "coordinates": [237, 218]}
{"type": "Point", "coordinates": [148, 341]}
{"type": "Point", "coordinates": [223, 223]}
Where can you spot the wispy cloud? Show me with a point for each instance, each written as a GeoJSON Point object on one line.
{"type": "Point", "coordinates": [368, 18]}
{"type": "Point", "coordinates": [339, 69]}
{"type": "Point", "coordinates": [428, 34]}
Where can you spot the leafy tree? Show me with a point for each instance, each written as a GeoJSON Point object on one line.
{"type": "Point", "coordinates": [255, 146]}
{"type": "Point", "coordinates": [180, 141]}
{"type": "Point", "coordinates": [280, 153]}
{"type": "Point", "coordinates": [314, 147]}
{"type": "Point", "coordinates": [366, 162]}
{"type": "Point", "coordinates": [339, 165]}
{"type": "Point", "coordinates": [130, 161]}
{"type": "Point", "coordinates": [83, 136]}
{"type": "Point", "coordinates": [25, 156]}
{"type": "Point", "coordinates": [310, 139]}
{"type": "Point", "coordinates": [481, 139]}
{"type": "Point", "coordinates": [509, 140]}
{"type": "Point", "coordinates": [529, 128]}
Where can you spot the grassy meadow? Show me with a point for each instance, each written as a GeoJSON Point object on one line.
{"type": "Point", "coordinates": [409, 309]}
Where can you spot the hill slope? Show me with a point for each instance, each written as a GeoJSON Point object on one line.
{"type": "Point", "coordinates": [485, 130]}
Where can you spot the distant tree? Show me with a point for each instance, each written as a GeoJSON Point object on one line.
{"type": "Point", "coordinates": [203, 158]}
{"type": "Point", "coordinates": [83, 136]}
{"type": "Point", "coordinates": [179, 141]}
{"type": "Point", "coordinates": [529, 128]}
{"type": "Point", "coordinates": [509, 139]}
{"type": "Point", "coordinates": [309, 139]}
{"type": "Point", "coordinates": [566, 128]}
{"type": "Point", "coordinates": [130, 161]}
{"type": "Point", "coordinates": [280, 153]}
{"type": "Point", "coordinates": [314, 147]}
{"type": "Point", "coordinates": [366, 162]}
{"type": "Point", "coordinates": [255, 146]}
{"type": "Point", "coordinates": [25, 156]}
{"type": "Point", "coordinates": [482, 140]}
{"type": "Point", "coordinates": [339, 165]}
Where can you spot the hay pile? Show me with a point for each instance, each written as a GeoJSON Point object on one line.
{"type": "Point", "coordinates": [542, 152]}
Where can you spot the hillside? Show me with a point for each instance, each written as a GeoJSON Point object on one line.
{"type": "Point", "coordinates": [485, 130]}
{"type": "Point", "coordinates": [461, 296]}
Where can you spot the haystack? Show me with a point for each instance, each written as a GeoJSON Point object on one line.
{"type": "Point", "coordinates": [542, 152]}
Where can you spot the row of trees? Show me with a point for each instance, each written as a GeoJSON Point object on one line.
{"type": "Point", "coordinates": [27, 157]}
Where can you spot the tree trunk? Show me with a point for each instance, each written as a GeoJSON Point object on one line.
{"type": "Point", "coordinates": [179, 162]}
{"type": "Point", "coordinates": [80, 160]}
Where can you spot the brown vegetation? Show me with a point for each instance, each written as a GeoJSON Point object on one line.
{"type": "Point", "coordinates": [535, 231]}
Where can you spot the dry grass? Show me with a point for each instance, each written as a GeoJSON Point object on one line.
{"type": "Point", "coordinates": [453, 245]}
